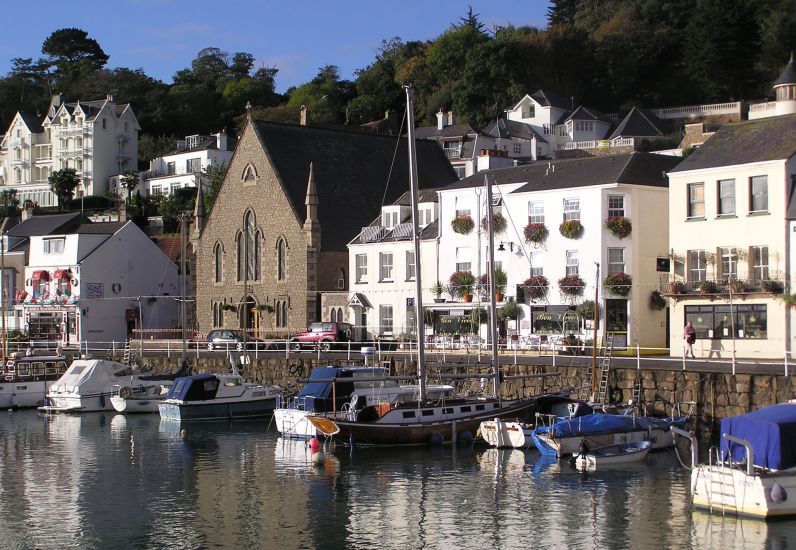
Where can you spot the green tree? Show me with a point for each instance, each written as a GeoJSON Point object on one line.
{"type": "Point", "coordinates": [9, 203]}
{"type": "Point", "coordinates": [129, 180]}
{"type": "Point", "coordinates": [71, 56]}
{"type": "Point", "coordinates": [63, 183]}
{"type": "Point", "coordinates": [212, 177]}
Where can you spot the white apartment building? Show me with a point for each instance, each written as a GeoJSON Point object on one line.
{"type": "Point", "coordinates": [98, 139]}
{"type": "Point", "coordinates": [93, 282]}
{"type": "Point", "coordinates": [591, 190]}
{"type": "Point", "coordinates": [183, 167]}
{"type": "Point", "coordinates": [732, 210]}
{"type": "Point", "coordinates": [383, 269]}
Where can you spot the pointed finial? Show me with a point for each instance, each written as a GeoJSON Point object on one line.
{"type": "Point", "coordinates": [249, 110]}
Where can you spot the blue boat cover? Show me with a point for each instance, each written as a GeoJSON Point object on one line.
{"type": "Point", "coordinates": [771, 431]}
{"type": "Point", "coordinates": [319, 383]}
{"type": "Point", "coordinates": [592, 424]}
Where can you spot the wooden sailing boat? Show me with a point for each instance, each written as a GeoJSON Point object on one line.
{"type": "Point", "coordinates": [423, 422]}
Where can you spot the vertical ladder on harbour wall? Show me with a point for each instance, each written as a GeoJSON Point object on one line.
{"type": "Point", "coordinates": [128, 354]}
{"type": "Point", "coordinates": [605, 367]}
{"type": "Point", "coordinates": [637, 392]}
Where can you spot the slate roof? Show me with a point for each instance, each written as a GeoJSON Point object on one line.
{"type": "Point", "coordinates": [760, 140]}
{"type": "Point", "coordinates": [351, 170]}
{"type": "Point", "coordinates": [788, 75]}
{"type": "Point", "coordinates": [32, 122]}
{"type": "Point", "coordinates": [632, 168]}
{"type": "Point", "coordinates": [587, 113]}
{"type": "Point", "coordinates": [56, 224]}
{"type": "Point", "coordinates": [549, 99]}
{"type": "Point", "coordinates": [638, 123]}
{"type": "Point", "coordinates": [452, 131]}
{"type": "Point", "coordinates": [100, 228]}
{"type": "Point", "coordinates": [513, 128]}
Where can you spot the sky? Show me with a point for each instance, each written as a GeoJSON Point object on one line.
{"type": "Point", "coordinates": [164, 36]}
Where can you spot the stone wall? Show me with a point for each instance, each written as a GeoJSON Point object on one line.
{"type": "Point", "coordinates": [717, 395]}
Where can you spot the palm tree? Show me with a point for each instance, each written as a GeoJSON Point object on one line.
{"type": "Point", "coordinates": [129, 180]}
{"type": "Point", "coordinates": [63, 184]}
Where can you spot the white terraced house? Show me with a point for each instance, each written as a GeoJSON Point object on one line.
{"type": "Point", "coordinates": [587, 191]}
{"type": "Point", "coordinates": [732, 223]}
{"type": "Point", "coordinates": [98, 139]}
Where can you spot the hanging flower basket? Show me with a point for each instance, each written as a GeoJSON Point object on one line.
{"type": "Point", "coordinates": [462, 224]}
{"type": "Point", "coordinates": [619, 226]}
{"type": "Point", "coordinates": [657, 301]}
{"type": "Point", "coordinates": [571, 229]}
{"type": "Point", "coordinates": [571, 286]}
{"type": "Point", "coordinates": [708, 287]}
{"type": "Point", "coordinates": [498, 223]}
{"type": "Point", "coordinates": [774, 287]}
{"type": "Point", "coordinates": [677, 287]}
{"type": "Point", "coordinates": [536, 288]}
{"type": "Point", "coordinates": [536, 233]}
{"type": "Point", "coordinates": [619, 283]}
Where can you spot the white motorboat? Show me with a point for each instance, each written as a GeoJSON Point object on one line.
{"type": "Point", "coordinates": [610, 455]}
{"type": "Point", "coordinates": [217, 397]}
{"type": "Point", "coordinates": [144, 397]}
{"type": "Point", "coordinates": [26, 379]}
{"type": "Point", "coordinates": [333, 391]}
{"type": "Point", "coordinates": [753, 472]}
{"type": "Point", "coordinates": [88, 384]}
{"type": "Point", "coordinates": [512, 433]}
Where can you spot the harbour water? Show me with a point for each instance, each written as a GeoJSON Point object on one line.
{"type": "Point", "coordinates": [110, 481]}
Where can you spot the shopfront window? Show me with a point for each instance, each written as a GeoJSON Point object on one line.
{"type": "Point", "coordinates": [716, 321]}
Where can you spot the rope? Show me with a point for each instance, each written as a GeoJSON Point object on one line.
{"type": "Point", "coordinates": [394, 155]}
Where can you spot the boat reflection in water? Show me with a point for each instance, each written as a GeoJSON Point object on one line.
{"type": "Point", "coordinates": [712, 531]}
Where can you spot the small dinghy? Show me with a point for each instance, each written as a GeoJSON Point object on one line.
{"type": "Point", "coordinates": [609, 455]}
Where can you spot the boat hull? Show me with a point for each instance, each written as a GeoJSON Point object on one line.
{"type": "Point", "coordinates": [20, 395]}
{"type": "Point", "coordinates": [216, 409]}
{"type": "Point", "coordinates": [449, 428]}
{"type": "Point", "coordinates": [77, 403]}
{"type": "Point", "coordinates": [135, 405]}
{"type": "Point", "coordinates": [725, 490]}
{"type": "Point", "coordinates": [294, 423]}
{"type": "Point", "coordinates": [498, 433]}
{"type": "Point", "coordinates": [612, 455]}
{"type": "Point", "coordinates": [554, 446]}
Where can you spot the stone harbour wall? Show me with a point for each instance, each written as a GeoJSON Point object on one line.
{"type": "Point", "coordinates": [716, 395]}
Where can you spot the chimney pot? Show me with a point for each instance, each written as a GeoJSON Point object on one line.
{"type": "Point", "coordinates": [440, 120]}
{"type": "Point", "coordinates": [303, 116]}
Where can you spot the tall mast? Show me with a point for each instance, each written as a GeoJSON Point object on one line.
{"type": "Point", "coordinates": [492, 286]}
{"type": "Point", "coordinates": [421, 329]}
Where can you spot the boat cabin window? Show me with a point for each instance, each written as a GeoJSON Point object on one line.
{"type": "Point", "coordinates": [210, 385]}
{"type": "Point", "coordinates": [465, 409]}
{"type": "Point", "coordinates": [24, 370]}
{"type": "Point", "coordinates": [428, 412]}
{"type": "Point", "coordinates": [409, 414]}
{"type": "Point", "coordinates": [77, 369]}
{"type": "Point", "coordinates": [232, 382]}
{"type": "Point", "coordinates": [21, 388]}
{"type": "Point", "coordinates": [479, 407]}
{"type": "Point", "coordinates": [38, 368]}
{"type": "Point", "coordinates": [10, 366]}
{"type": "Point", "coordinates": [495, 405]}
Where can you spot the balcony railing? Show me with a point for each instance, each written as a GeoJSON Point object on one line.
{"type": "Point", "coordinates": [739, 285]}
{"type": "Point", "coordinates": [699, 110]}
{"type": "Point", "coordinates": [452, 152]}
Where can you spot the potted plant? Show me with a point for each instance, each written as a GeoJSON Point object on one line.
{"type": "Point", "coordinates": [462, 224]}
{"type": "Point", "coordinates": [536, 287]}
{"type": "Point", "coordinates": [676, 287]}
{"type": "Point", "coordinates": [657, 301]}
{"type": "Point", "coordinates": [571, 229]}
{"type": "Point", "coordinates": [479, 316]}
{"type": "Point", "coordinates": [510, 310]}
{"type": "Point", "coordinates": [774, 287]}
{"type": "Point", "coordinates": [738, 286]}
{"type": "Point", "coordinates": [437, 289]}
{"type": "Point", "coordinates": [498, 223]}
{"type": "Point", "coordinates": [227, 307]}
{"type": "Point", "coordinates": [619, 226]}
{"type": "Point", "coordinates": [500, 283]}
{"type": "Point", "coordinates": [571, 286]}
{"type": "Point", "coordinates": [536, 233]}
{"type": "Point", "coordinates": [585, 310]}
{"type": "Point", "coordinates": [461, 284]}
{"type": "Point", "coordinates": [708, 287]}
{"type": "Point", "coordinates": [619, 283]}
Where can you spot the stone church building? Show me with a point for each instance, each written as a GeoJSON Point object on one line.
{"type": "Point", "coordinates": [292, 198]}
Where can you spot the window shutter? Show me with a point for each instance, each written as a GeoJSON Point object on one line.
{"type": "Point", "coordinates": [718, 264]}
{"type": "Point", "coordinates": [751, 261]}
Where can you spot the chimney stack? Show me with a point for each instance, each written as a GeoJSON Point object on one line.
{"type": "Point", "coordinates": [303, 115]}
{"type": "Point", "coordinates": [450, 118]}
{"type": "Point", "coordinates": [109, 98]}
{"type": "Point", "coordinates": [440, 119]}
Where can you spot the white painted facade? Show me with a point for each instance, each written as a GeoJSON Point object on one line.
{"type": "Point", "coordinates": [182, 168]}
{"type": "Point", "coordinates": [98, 139]}
{"type": "Point", "coordinates": [763, 326]}
{"type": "Point", "coordinates": [95, 287]}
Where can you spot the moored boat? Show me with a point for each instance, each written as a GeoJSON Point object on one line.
{"type": "Point", "coordinates": [217, 397]}
{"type": "Point", "coordinates": [144, 397]}
{"type": "Point", "coordinates": [609, 455]}
{"type": "Point", "coordinates": [753, 472]}
{"type": "Point", "coordinates": [343, 391]}
{"type": "Point", "coordinates": [88, 384]}
{"type": "Point", "coordinates": [26, 379]}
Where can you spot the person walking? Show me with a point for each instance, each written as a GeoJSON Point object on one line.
{"type": "Point", "coordinates": [689, 336]}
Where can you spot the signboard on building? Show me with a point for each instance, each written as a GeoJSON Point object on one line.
{"type": "Point", "coordinates": [94, 290]}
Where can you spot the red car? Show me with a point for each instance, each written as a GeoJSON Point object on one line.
{"type": "Point", "coordinates": [322, 334]}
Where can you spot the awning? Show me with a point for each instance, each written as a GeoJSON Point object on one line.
{"type": "Point", "coordinates": [359, 300]}
{"type": "Point", "coordinates": [61, 274]}
{"type": "Point", "coordinates": [41, 275]}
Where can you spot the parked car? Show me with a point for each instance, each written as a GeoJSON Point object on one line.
{"type": "Point", "coordinates": [324, 334]}
{"type": "Point", "coordinates": [232, 339]}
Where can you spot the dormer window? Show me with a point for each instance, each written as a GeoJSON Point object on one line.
{"type": "Point", "coordinates": [528, 110]}
{"type": "Point", "coordinates": [389, 219]}
{"type": "Point", "coordinates": [54, 246]}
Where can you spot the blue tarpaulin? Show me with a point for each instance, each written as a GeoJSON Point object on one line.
{"type": "Point", "coordinates": [607, 423]}
{"type": "Point", "coordinates": [771, 431]}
